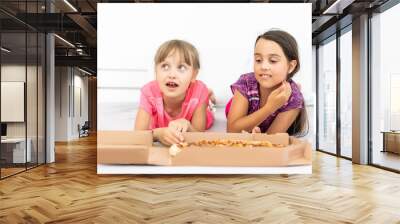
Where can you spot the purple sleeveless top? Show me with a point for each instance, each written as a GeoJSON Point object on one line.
{"type": "Point", "coordinates": [247, 85]}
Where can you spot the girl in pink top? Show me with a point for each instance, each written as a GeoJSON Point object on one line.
{"type": "Point", "coordinates": [175, 102]}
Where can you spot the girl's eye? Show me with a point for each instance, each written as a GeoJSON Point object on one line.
{"type": "Point", "coordinates": [258, 60]}
{"type": "Point", "coordinates": [273, 61]}
{"type": "Point", "coordinates": [182, 68]}
{"type": "Point", "coordinates": [165, 66]}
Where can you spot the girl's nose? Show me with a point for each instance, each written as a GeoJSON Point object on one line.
{"type": "Point", "coordinates": [172, 74]}
{"type": "Point", "coordinates": [265, 66]}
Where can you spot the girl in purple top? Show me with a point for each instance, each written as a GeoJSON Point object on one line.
{"type": "Point", "coordinates": [267, 100]}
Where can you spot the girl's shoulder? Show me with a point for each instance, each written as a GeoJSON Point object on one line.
{"type": "Point", "coordinates": [296, 99]}
{"type": "Point", "coordinates": [199, 84]}
{"type": "Point", "coordinates": [248, 77]}
{"type": "Point", "coordinates": [249, 80]}
{"type": "Point", "coordinates": [246, 84]}
{"type": "Point", "coordinates": [197, 88]}
{"type": "Point", "coordinates": [151, 89]}
{"type": "Point", "coordinates": [296, 89]}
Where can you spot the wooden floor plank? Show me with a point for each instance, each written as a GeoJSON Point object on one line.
{"type": "Point", "coordinates": [70, 191]}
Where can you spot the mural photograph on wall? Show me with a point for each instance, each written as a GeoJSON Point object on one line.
{"type": "Point", "coordinates": [204, 89]}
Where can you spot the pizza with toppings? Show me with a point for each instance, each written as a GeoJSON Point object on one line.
{"type": "Point", "coordinates": [230, 143]}
{"type": "Point", "coordinates": [176, 148]}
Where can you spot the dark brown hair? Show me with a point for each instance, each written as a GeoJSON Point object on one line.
{"type": "Point", "coordinates": [288, 44]}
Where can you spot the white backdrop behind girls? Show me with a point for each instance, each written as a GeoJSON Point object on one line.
{"type": "Point", "coordinates": [224, 35]}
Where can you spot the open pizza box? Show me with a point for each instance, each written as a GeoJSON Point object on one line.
{"type": "Point", "coordinates": [137, 147]}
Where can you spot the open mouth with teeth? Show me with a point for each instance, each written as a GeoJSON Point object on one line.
{"type": "Point", "coordinates": [265, 76]}
{"type": "Point", "coordinates": [172, 84]}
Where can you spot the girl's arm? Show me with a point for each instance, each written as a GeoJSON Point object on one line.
{"type": "Point", "coordinates": [142, 120]}
{"type": "Point", "coordinates": [199, 119]}
{"type": "Point", "coordinates": [238, 119]}
{"type": "Point", "coordinates": [283, 121]}
{"type": "Point", "coordinates": [164, 135]}
{"type": "Point", "coordinates": [198, 122]}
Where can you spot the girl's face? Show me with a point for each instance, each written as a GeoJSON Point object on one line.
{"type": "Point", "coordinates": [271, 66]}
{"type": "Point", "coordinates": [174, 75]}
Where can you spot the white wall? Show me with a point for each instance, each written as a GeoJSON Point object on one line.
{"type": "Point", "coordinates": [33, 126]}
{"type": "Point", "coordinates": [224, 35]}
{"type": "Point", "coordinates": [61, 103]}
{"type": "Point", "coordinates": [12, 101]}
{"type": "Point", "coordinates": [17, 73]}
{"type": "Point", "coordinates": [80, 102]}
{"type": "Point", "coordinates": [69, 82]}
{"type": "Point", "coordinates": [14, 72]}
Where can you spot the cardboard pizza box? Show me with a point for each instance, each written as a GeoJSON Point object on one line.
{"type": "Point", "coordinates": [133, 147]}
{"type": "Point", "coordinates": [294, 152]}
{"type": "Point", "coordinates": [123, 147]}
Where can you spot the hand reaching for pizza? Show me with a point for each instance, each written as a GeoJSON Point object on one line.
{"type": "Point", "coordinates": [168, 136]}
{"type": "Point", "coordinates": [180, 125]}
{"type": "Point", "coordinates": [173, 133]}
{"type": "Point", "coordinates": [256, 130]}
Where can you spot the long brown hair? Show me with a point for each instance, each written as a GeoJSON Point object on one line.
{"type": "Point", "coordinates": [288, 44]}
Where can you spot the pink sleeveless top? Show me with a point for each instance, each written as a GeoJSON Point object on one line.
{"type": "Point", "coordinates": [152, 102]}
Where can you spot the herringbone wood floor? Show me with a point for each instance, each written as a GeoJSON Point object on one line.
{"type": "Point", "coordinates": [70, 191]}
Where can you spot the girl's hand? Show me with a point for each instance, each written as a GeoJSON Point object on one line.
{"type": "Point", "coordinates": [211, 96]}
{"type": "Point", "coordinates": [168, 136]}
{"type": "Point", "coordinates": [256, 130]}
{"type": "Point", "coordinates": [180, 125]}
{"type": "Point", "coordinates": [279, 96]}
